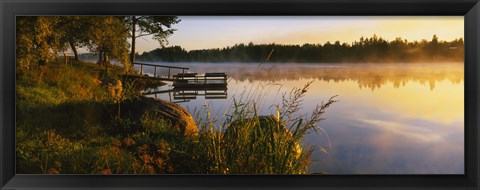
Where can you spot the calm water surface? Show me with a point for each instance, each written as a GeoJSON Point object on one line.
{"type": "Point", "coordinates": [390, 118]}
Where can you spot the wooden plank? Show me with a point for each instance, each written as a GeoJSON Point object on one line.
{"type": "Point", "coordinates": [158, 92]}
{"type": "Point", "coordinates": [186, 93]}
{"type": "Point", "coordinates": [216, 94]}
{"type": "Point", "coordinates": [200, 86]}
{"type": "Point", "coordinates": [147, 77]}
{"type": "Point", "coordinates": [215, 75]}
{"type": "Point", "coordinates": [184, 98]}
{"type": "Point", "coordinates": [165, 66]}
{"type": "Point", "coordinates": [186, 75]}
{"type": "Point", "coordinates": [216, 97]}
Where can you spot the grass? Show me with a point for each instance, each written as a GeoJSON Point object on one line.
{"type": "Point", "coordinates": [248, 143]}
{"type": "Point", "coordinates": [69, 121]}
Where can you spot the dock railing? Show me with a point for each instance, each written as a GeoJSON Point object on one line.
{"type": "Point", "coordinates": [169, 76]}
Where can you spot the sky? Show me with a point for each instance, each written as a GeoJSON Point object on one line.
{"type": "Point", "coordinates": [204, 32]}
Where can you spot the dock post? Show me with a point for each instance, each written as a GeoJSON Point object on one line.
{"type": "Point", "coordinates": [155, 73]}
{"type": "Point", "coordinates": [141, 69]}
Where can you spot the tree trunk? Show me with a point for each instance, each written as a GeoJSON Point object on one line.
{"type": "Point", "coordinates": [106, 59]}
{"type": "Point", "coordinates": [74, 49]}
{"type": "Point", "coordinates": [134, 25]}
{"type": "Point", "coordinates": [118, 110]}
{"type": "Point", "coordinates": [100, 57]}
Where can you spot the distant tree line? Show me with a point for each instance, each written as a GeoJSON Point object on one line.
{"type": "Point", "coordinates": [366, 50]}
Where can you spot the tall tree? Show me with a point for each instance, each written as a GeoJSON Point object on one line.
{"type": "Point", "coordinates": [74, 30]}
{"type": "Point", "coordinates": [158, 26]}
{"type": "Point", "coordinates": [40, 38]}
{"type": "Point", "coordinates": [108, 35]}
{"type": "Point", "coordinates": [25, 41]}
{"type": "Point", "coordinates": [37, 40]}
{"type": "Point", "coordinates": [78, 29]}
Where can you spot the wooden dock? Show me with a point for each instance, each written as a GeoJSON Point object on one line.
{"type": "Point", "coordinates": [182, 79]}
{"type": "Point", "coordinates": [156, 73]}
{"type": "Point", "coordinates": [193, 80]}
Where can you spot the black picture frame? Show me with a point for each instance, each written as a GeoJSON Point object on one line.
{"type": "Point", "coordinates": [470, 9]}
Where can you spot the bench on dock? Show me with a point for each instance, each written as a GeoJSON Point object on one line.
{"type": "Point", "coordinates": [181, 76]}
{"type": "Point", "coordinates": [215, 75]}
{"type": "Point", "coordinates": [185, 78]}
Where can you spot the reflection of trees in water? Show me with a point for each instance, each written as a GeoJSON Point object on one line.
{"type": "Point", "coordinates": [366, 76]}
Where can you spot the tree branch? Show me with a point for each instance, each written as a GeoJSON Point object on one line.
{"type": "Point", "coordinates": [141, 35]}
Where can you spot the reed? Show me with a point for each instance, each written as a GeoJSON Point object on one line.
{"type": "Point", "coordinates": [249, 143]}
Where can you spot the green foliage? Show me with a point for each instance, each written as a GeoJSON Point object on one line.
{"type": "Point", "coordinates": [48, 152]}
{"type": "Point", "coordinates": [158, 26]}
{"type": "Point", "coordinates": [166, 54]}
{"type": "Point", "coordinates": [157, 146]}
{"type": "Point", "coordinates": [37, 41]}
{"type": "Point", "coordinates": [109, 37]}
{"type": "Point", "coordinates": [155, 125]}
{"type": "Point", "coordinates": [40, 39]}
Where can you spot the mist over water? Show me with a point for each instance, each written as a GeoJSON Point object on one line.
{"type": "Point", "coordinates": [390, 118]}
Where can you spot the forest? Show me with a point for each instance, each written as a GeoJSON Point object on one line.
{"type": "Point", "coordinates": [366, 50]}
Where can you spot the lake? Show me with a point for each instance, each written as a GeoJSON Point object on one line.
{"type": "Point", "coordinates": [390, 118]}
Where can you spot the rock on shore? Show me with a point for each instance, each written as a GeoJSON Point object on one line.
{"type": "Point", "coordinates": [171, 112]}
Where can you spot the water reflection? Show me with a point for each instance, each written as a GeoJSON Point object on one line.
{"type": "Point", "coordinates": [371, 76]}
{"type": "Point", "coordinates": [406, 130]}
{"type": "Point", "coordinates": [391, 119]}
{"type": "Point", "coordinates": [179, 95]}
